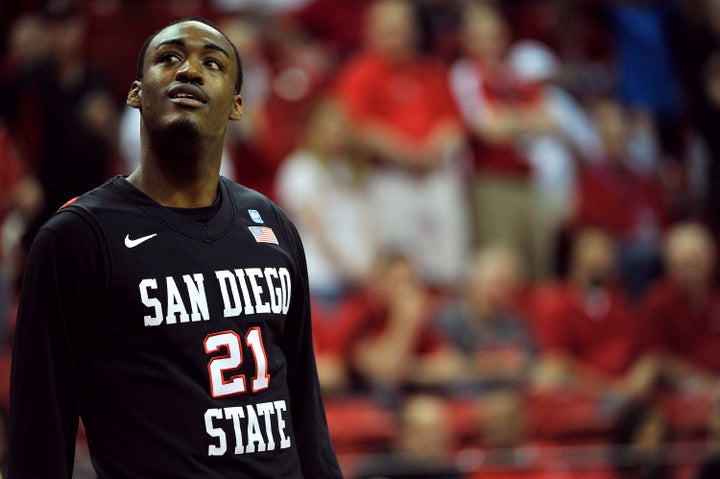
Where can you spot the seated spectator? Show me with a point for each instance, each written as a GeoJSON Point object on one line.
{"type": "Point", "coordinates": [384, 333]}
{"type": "Point", "coordinates": [629, 206]}
{"type": "Point", "coordinates": [682, 310]}
{"type": "Point", "coordinates": [486, 327]}
{"type": "Point", "coordinates": [399, 103]}
{"type": "Point", "coordinates": [588, 335]}
{"type": "Point", "coordinates": [423, 445]}
{"type": "Point", "coordinates": [323, 187]}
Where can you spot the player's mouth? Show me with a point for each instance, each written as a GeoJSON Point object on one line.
{"type": "Point", "coordinates": [187, 95]}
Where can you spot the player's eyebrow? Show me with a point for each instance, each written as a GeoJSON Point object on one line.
{"type": "Point", "coordinates": [181, 43]}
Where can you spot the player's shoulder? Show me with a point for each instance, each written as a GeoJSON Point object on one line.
{"type": "Point", "coordinates": [102, 197]}
{"type": "Point", "coordinates": [78, 216]}
{"type": "Point", "coordinates": [70, 227]}
{"type": "Point", "coordinates": [249, 200]}
{"type": "Point", "coordinates": [108, 193]}
{"type": "Point", "coordinates": [259, 208]}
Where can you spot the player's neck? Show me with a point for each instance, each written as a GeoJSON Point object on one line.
{"type": "Point", "coordinates": [175, 190]}
{"type": "Point", "coordinates": [180, 179]}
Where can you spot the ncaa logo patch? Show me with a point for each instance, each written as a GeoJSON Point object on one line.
{"type": "Point", "coordinates": [255, 216]}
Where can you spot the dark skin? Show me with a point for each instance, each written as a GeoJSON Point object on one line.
{"type": "Point", "coordinates": [186, 99]}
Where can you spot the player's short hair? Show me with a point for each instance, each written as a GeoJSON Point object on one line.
{"type": "Point", "coordinates": [143, 50]}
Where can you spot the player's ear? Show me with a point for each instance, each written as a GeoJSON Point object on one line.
{"type": "Point", "coordinates": [236, 112]}
{"type": "Point", "coordinates": [135, 95]}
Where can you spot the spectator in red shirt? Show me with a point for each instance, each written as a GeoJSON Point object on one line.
{"type": "Point", "coordinates": [682, 310]}
{"type": "Point", "coordinates": [400, 105]}
{"type": "Point", "coordinates": [382, 335]}
{"type": "Point", "coordinates": [628, 205]}
{"type": "Point", "coordinates": [498, 109]}
{"type": "Point", "coordinates": [588, 335]}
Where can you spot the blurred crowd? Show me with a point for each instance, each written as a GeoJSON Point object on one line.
{"type": "Point", "coordinates": [510, 210]}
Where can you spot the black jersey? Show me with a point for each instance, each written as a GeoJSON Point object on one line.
{"type": "Point", "coordinates": [185, 347]}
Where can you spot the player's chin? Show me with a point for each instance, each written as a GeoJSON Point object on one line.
{"type": "Point", "coordinates": [183, 126]}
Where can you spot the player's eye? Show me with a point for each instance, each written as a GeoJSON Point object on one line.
{"type": "Point", "coordinates": [169, 57]}
{"type": "Point", "coordinates": [213, 64]}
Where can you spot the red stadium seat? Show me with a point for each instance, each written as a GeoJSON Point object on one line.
{"type": "Point", "coordinates": [359, 424]}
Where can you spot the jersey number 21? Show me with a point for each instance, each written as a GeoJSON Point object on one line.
{"type": "Point", "coordinates": [218, 366]}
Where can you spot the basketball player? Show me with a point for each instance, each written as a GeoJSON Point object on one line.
{"type": "Point", "coordinates": [169, 309]}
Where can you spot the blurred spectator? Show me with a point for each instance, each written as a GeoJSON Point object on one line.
{"type": "Point", "coordinates": [553, 154]}
{"type": "Point", "coordinates": [498, 109]}
{"type": "Point", "coordinates": [400, 105]}
{"type": "Point", "coordinates": [682, 311]}
{"type": "Point", "coordinates": [323, 187]}
{"type": "Point", "coordinates": [640, 443]}
{"type": "Point", "coordinates": [27, 45]}
{"type": "Point", "coordinates": [616, 198]}
{"type": "Point", "coordinates": [487, 329]}
{"type": "Point", "coordinates": [385, 334]}
{"type": "Point", "coordinates": [423, 446]}
{"type": "Point", "coordinates": [578, 32]}
{"type": "Point", "coordinates": [647, 75]}
{"type": "Point", "coordinates": [589, 337]}
{"type": "Point", "coordinates": [75, 117]}
{"type": "Point", "coordinates": [486, 325]}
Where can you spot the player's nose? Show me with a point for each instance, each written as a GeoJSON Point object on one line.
{"type": "Point", "coordinates": [190, 71]}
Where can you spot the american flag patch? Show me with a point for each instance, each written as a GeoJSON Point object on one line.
{"type": "Point", "coordinates": [263, 234]}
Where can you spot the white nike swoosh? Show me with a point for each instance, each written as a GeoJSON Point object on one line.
{"type": "Point", "coordinates": [131, 243]}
